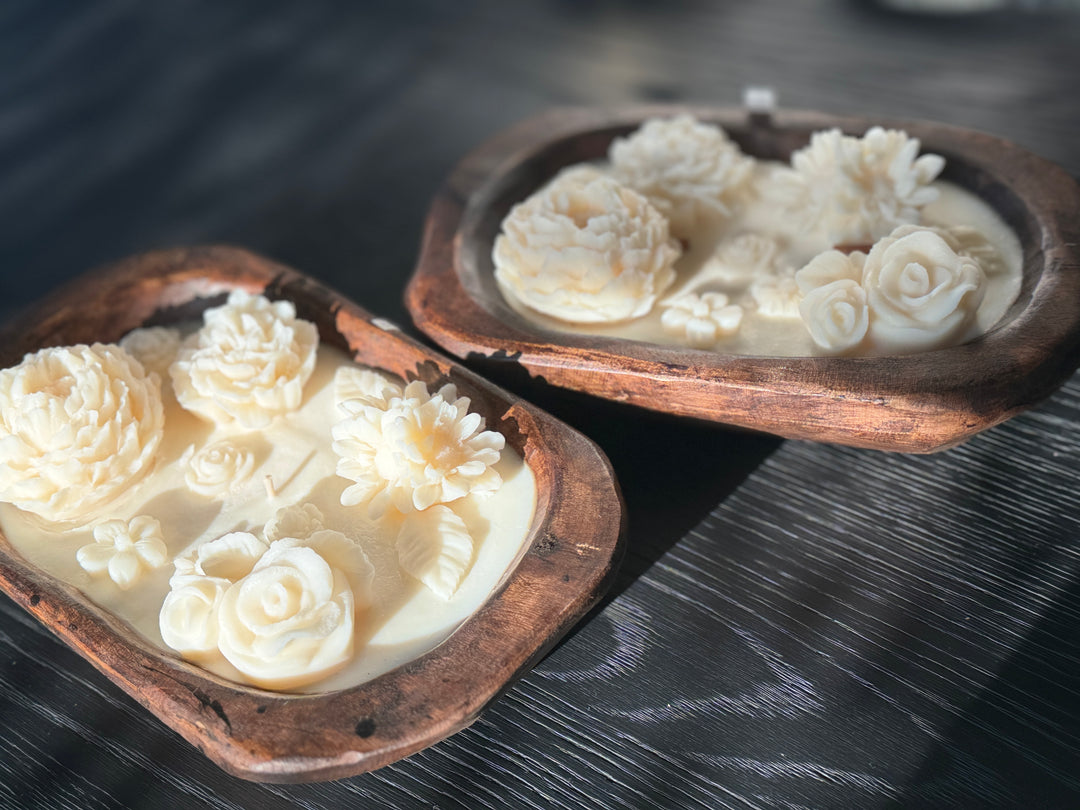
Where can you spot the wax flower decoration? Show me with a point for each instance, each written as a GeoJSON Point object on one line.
{"type": "Point", "coordinates": [351, 382]}
{"type": "Point", "coordinates": [414, 450]}
{"type": "Point", "coordinates": [124, 550]}
{"type": "Point", "coordinates": [79, 427]}
{"type": "Point", "coordinates": [586, 251]}
{"type": "Point", "coordinates": [153, 346]}
{"type": "Point", "coordinates": [913, 291]}
{"type": "Point", "coordinates": [248, 363]}
{"type": "Point", "coordinates": [691, 171]}
{"type": "Point", "coordinates": [701, 319]}
{"type": "Point", "coordinates": [853, 190]}
{"type": "Point", "coordinates": [218, 468]}
{"type": "Point", "coordinates": [743, 258]}
{"type": "Point", "coordinates": [282, 612]}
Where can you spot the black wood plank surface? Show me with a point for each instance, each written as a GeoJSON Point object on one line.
{"type": "Point", "coordinates": [795, 625]}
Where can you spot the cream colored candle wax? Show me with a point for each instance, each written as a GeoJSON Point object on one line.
{"type": "Point", "coordinates": [234, 544]}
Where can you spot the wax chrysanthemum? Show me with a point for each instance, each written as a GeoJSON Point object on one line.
{"type": "Point", "coordinates": [414, 450]}
{"type": "Point", "coordinates": [856, 190]}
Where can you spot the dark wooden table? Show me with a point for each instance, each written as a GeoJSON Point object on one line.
{"type": "Point", "coordinates": [795, 625]}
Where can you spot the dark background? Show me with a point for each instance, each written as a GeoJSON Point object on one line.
{"type": "Point", "coordinates": [796, 625]}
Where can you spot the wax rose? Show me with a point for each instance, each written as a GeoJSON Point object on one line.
{"type": "Point", "coordinates": [689, 170]}
{"type": "Point", "coordinates": [834, 306]}
{"type": "Point", "coordinates": [856, 190]}
{"type": "Point", "coordinates": [217, 468]}
{"type": "Point", "coordinates": [836, 315]}
{"type": "Point", "coordinates": [830, 266]}
{"type": "Point", "coordinates": [283, 613]}
{"type": "Point", "coordinates": [291, 620]}
{"type": "Point", "coordinates": [188, 619]}
{"type": "Point", "coordinates": [922, 294]}
{"type": "Point", "coordinates": [79, 426]}
{"type": "Point", "coordinates": [248, 363]}
{"type": "Point", "coordinates": [298, 521]}
{"type": "Point", "coordinates": [414, 450]}
{"type": "Point", "coordinates": [586, 252]}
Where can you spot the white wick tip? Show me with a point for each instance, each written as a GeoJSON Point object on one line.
{"type": "Point", "coordinates": [268, 482]}
{"type": "Point", "coordinates": [759, 99]}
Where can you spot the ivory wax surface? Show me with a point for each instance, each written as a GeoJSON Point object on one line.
{"type": "Point", "coordinates": [406, 619]}
{"type": "Point", "coordinates": [760, 334]}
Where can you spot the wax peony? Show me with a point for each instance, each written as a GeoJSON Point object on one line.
{"type": "Point", "coordinates": [688, 169]}
{"type": "Point", "coordinates": [586, 251]}
{"type": "Point", "coordinates": [79, 426]}
{"type": "Point", "coordinates": [248, 363]}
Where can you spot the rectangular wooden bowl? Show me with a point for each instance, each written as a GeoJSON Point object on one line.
{"type": "Point", "coordinates": [569, 557]}
{"type": "Point", "coordinates": [917, 403]}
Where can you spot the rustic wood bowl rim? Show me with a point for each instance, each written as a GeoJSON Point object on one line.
{"type": "Point", "coordinates": [918, 402]}
{"type": "Point", "coordinates": [566, 564]}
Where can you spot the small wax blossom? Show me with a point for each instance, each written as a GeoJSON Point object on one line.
{"type": "Point", "coordinates": [124, 550]}
{"type": "Point", "coordinates": [352, 382]}
{"type": "Point", "coordinates": [585, 251]}
{"type": "Point", "coordinates": [414, 450]}
{"type": "Point", "coordinates": [688, 169]}
{"type": "Point", "coordinates": [701, 319]}
{"type": "Point", "coordinates": [856, 190]}
{"type": "Point", "coordinates": [742, 259]}
{"type": "Point", "coordinates": [217, 468]}
{"type": "Point", "coordinates": [776, 296]}
{"type": "Point", "coordinates": [79, 427]}
{"type": "Point", "coordinates": [248, 364]}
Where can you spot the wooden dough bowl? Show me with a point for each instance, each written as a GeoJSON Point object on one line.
{"type": "Point", "coordinates": [917, 403]}
{"type": "Point", "coordinates": [573, 546]}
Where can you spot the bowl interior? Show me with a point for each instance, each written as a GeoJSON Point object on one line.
{"type": "Point", "coordinates": [530, 170]}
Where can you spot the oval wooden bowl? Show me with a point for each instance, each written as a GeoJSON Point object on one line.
{"type": "Point", "coordinates": [917, 403]}
{"type": "Point", "coordinates": [574, 544]}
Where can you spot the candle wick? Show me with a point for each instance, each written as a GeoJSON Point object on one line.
{"type": "Point", "coordinates": [268, 481]}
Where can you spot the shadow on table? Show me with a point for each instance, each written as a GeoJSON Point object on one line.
{"type": "Point", "coordinates": [672, 471]}
{"type": "Point", "coordinates": [1019, 736]}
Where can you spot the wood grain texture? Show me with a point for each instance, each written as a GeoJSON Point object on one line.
{"type": "Point", "coordinates": [831, 627]}
{"type": "Point", "coordinates": [921, 402]}
{"type": "Point", "coordinates": [565, 565]}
